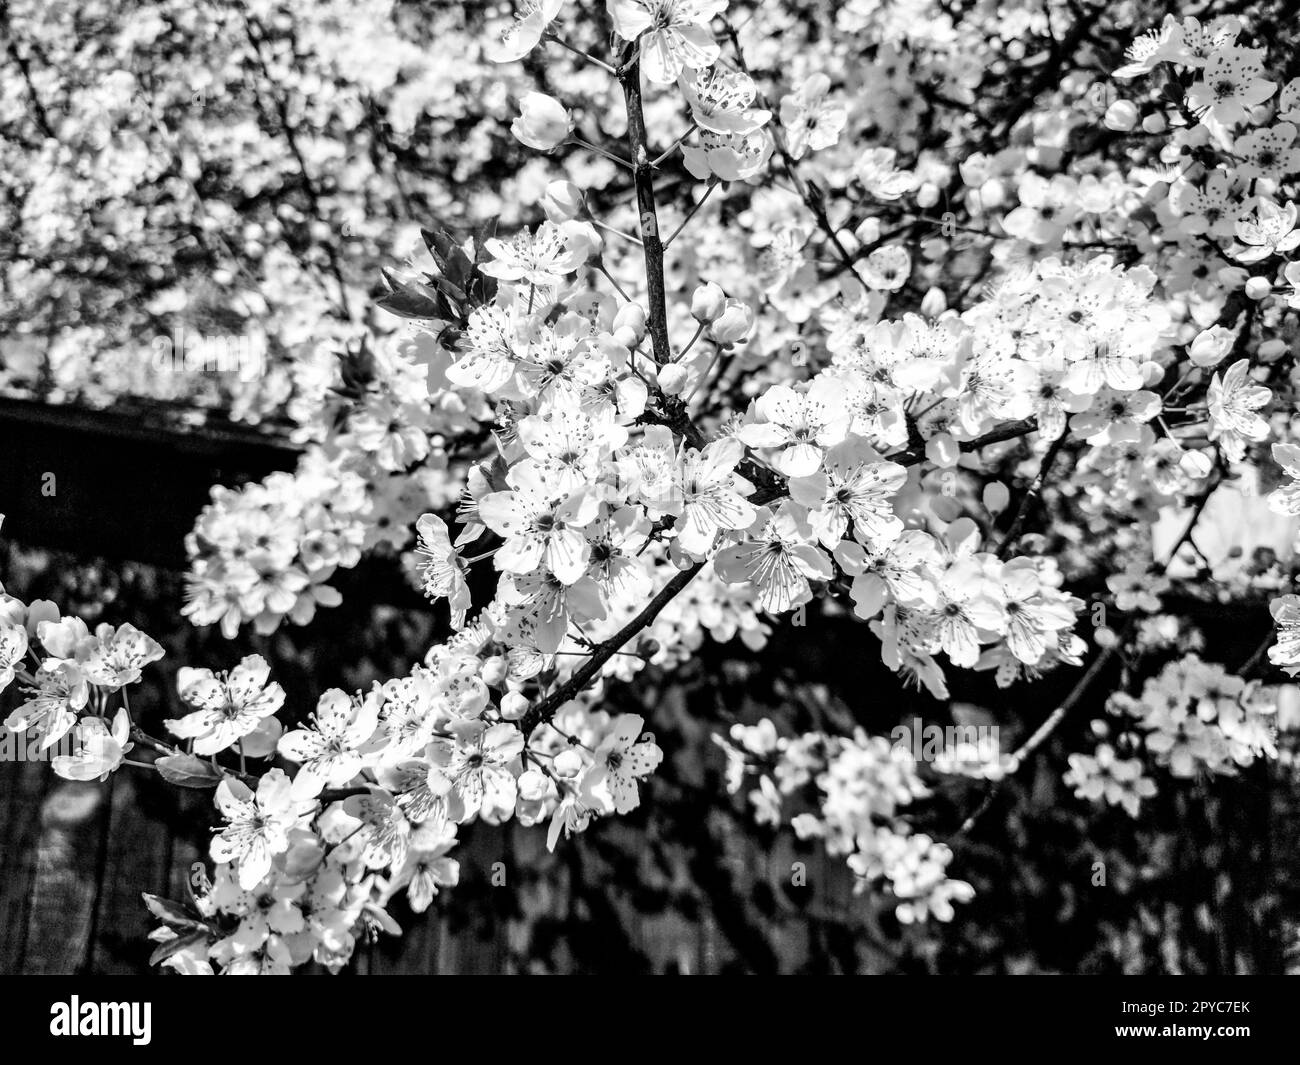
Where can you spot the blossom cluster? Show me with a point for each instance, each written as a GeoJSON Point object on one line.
{"type": "Point", "coordinates": [848, 791]}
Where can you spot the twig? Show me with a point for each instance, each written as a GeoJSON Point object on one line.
{"type": "Point", "coordinates": [691, 213]}
{"type": "Point", "coordinates": [1034, 489]}
{"type": "Point", "coordinates": [1044, 730]}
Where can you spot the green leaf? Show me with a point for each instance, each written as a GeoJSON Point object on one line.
{"type": "Point", "coordinates": [188, 771]}
{"type": "Point", "coordinates": [172, 913]}
{"type": "Point", "coordinates": [412, 300]}
{"type": "Point", "coordinates": [174, 946]}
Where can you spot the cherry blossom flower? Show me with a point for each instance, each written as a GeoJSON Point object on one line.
{"type": "Point", "coordinates": [712, 495]}
{"type": "Point", "coordinates": [778, 562]}
{"type": "Point", "coordinates": [1285, 654]}
{"type": "Point", "coordinates": [899, 570]}
{"type": "Point", "coordinates": [472, 768]}
{"type": "Point", "coordinates": [673, 34]}
{"type": "Point", "coordinates": [964, 612]}
{"type": "Point", "coordinates": [1272, 232]}
{"type": "Point", "coordinates": [541, 518]}
{"type": "Point", "coordinates": [624, 757]}
{"type": "Point", "coordinates": [543, 123]}
{"type": "Point", "coordinates": [811, 119]}
{"type": "Point", "coordinates": [721, 101]}
{"type": "Point", "coordinates": [98, 748]}
{"type": "Point", "coordinates": [727, 156]}
{"type": "Point", "coordinates": [1151, 48]}
{"type": "Point", "coordinates": [13, 645]}
{"type": "Point", "coordinates": [1033, 618]}
{"type": "Point", "coordinates": [329, 753]}
{"type": "Point", "coordinates": [228, 706]}
{"type": "Point", "coordinates": [887, 269]}
{"type": "Point", "coordinates": [876, 170]}
{"type": "Point", "coordinates": [1233, 401]}
{"type": "Point", "coordinates": [257, 825]}
{"type": "Point", "coordinates": [1230, 84]}
{"type": "Point", "coordinates": [1047, 208]}
{"type": "Point", "coordinates": [542, 258]}
{"type": "Point", "coordinates": [1104, 775]}
{"type": "Point", "coordinates": [1267, 154]}
{"type": "Point", "coordinates": [532, 19]}
{"type": "Point", "coordinates": [1209, 208]}
{"type": "Point", "coordinates": [441, 570]}
{"type": "Point", "coordinates": [855, 487]}
{"type": "Point", "coordinates": [427, 868]}
{"type": "Point", "coordinates": [800, 426]}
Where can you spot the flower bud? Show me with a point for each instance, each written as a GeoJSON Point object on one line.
{"type": "Point", "coordinates": [514, 705]}
{"type": "Point", "coordinates": [1211, 346]}
{"type": "Point", "coordinates": [568, 763]}
{"type": "Point", "coordinates": [672, 379]}
{"type": "Point", "coordinates": [1121, 116]}
{"type": "Point", "coordinates": [975, 170]}
{"type": "Point", "coordinates": [942, 450]}
{"type": "Point", "coordinates": [627, 337]}
{"type": "Point", "coordinates": [732, 326]}
{"type": "Point", "coordinates": [543, 122]}
{"type": "Point", "coordinates": [708, 302]}
{"type": "Point", "coordinates": [494, 671]}
{"type": "Point", "coordinates": [934, 303]}
{"type": "Point", "coordinates": [996, 497]}
{"type": "Point", "coordinates": [1196, 464]}
{"type": "Point", "coordinates": [561, 201]}
{"type": "Point", "coordinates": [993, 193]}
{"type": "Point", "coordinates": [631, 316]}
{"type": "Point", "coordinates": [1154, 124]}
{"type": "Point", "coordinates": [1258, 287]}
{"type": "Point", "coordinates": [927, 195]}
{"type": "Point", "coordinates": [868, 231]}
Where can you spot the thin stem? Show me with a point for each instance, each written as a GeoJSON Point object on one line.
{"type": "Point", "coordinates": [1017, 759]}
{"type": "Point", "coordinates": [600, 151]}
{"type": "Point", "coordinates": [617, 232]}
{"type": "Point", "coordinates": [691, 343]}
{"type": "Point", "coordinates": [717, 352]}
{"type": "Point", "coordinates": [610, 278]}
{"type": "Point", "coordinates": [579, 52]}
{"type": "Point", "coordinates": [691, 213]}
{"type": "Point", "coordinates": [674, 146]}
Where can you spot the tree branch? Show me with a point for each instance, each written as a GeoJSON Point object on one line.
{"type": "Point", "coordinates": [629, 77]}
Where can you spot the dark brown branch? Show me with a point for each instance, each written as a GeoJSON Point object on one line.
{"type": "Point", "coordinates": [629, 76]}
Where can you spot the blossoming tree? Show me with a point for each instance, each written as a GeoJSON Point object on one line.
{"type": "Point", "coordinates": [797, 328]}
